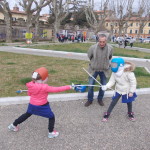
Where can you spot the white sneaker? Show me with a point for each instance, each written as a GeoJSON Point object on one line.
{"type": "Point", "coordinates": [104, 119]}
{"type": "Point", "coordinates": [11, 127]}
{"type": "Point", "coordinates": [53, 134]}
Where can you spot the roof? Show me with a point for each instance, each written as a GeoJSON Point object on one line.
{"type": "Point", "coordinates": [18, 12]}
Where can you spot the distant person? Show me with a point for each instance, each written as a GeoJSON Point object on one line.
{"type": "Point", "coordinates": [99, 55]}
{"type": "Point", "coordinates": [131, 42]}
{"type": "Point", "coordinates": [96, 38]}
{"type": "Point", "coordinates": [38, 91]}
{"type": "Point", "coordinates": [125, 43]}
{"type": "Point", "coordinates": [113, 38]}
{"type": "Point", "coordinates": [120, 41]}
{"type": "Point", "coordinates": [72, 38]}
{"type": "Point", "coordinates": [84, 38]}
{"type": "Point", "coordinates": [124, 80]}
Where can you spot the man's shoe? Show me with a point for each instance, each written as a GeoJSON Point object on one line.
{"type": "Point", "coordinates": [88, 103]}
{"type": "Point", "coordinates": [100, 102]}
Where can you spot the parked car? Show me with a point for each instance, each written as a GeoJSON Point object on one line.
{"type": "Point", "coordinates": [141, 40]}
{"type": "Point", "coordinates": [128, 39]}
{"type": "Point", "coordinates": [119, 39]}
{"type": "Point", "coordinates": [146, 40]}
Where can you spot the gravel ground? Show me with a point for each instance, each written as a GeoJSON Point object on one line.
{"type": "Point", "coordinates": [80, 127]}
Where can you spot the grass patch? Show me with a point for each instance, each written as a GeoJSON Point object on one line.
{"type": "Point", "coordinates": [83, 48]}
{"type": "Point", "coordinates": [70, 47]}
{"type": "Point", "coordinates": [61, 72]}
{"type": "Point", "coordinates": [25, 80]}
{"type": "Point", "coordinates": [140, 71]}
{"type": "Point", "coordinates": [142, 77]}
{"type": "Point", "coordinates": [3, 44]}
{"type": "Point", "coordinates": [142, 45]}
{"type": "Point", "coordinates": [10, 63]}
{"type": "Point", "coordinates": [130, 53]}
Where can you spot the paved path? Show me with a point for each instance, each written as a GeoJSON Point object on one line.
{"type": "Point", "coordinates": [80, 127]}
{"type": "Point", "coordinates": [133, 48]}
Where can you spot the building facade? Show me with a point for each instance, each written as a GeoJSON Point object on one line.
{"type": "Point", "coordinates": [130, 28]}
{"type": "Point", "coordinates": [19, 26]}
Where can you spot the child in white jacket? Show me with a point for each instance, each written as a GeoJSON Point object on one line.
{"type": "Point", "coordinates": [125, 85]}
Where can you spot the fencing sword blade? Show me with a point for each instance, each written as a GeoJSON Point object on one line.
{"type": "Point", "coordinates": [88, 85]}
{"type": "Point", "coordinates": [92, 76]}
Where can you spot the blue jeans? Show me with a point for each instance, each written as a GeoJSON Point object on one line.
{"type": "Point", "coordinates": [103, 81]}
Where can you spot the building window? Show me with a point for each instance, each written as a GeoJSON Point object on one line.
{"type": "Point", "coordinates": [136, 31]}
{"type": "Point", "coordinates": [149, 24]}
{"type": "Point", "coordinates": [116, 24]}
{"type": "Point", "coordinates": [131, 24]}
{"type": "Point", "coordinates": [106, 24]}
{"type": "Point", "coordinates": [130, 31]}
{"type": "Point", "coordinates": [137, 24]}
{"type": "Point", "coordinates": [14, 19]}
{"type": "Point", "coordinates": [141, 31]}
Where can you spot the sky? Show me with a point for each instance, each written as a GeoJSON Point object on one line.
{"type": "Point", "coordinates": [46, 10]}
{"type": "Point", "coordinates": [96, 3]}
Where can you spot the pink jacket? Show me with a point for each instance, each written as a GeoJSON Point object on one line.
{"type": "Point", "coordinates": [39, 92]}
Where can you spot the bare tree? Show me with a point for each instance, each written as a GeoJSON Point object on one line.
{"type": "Point", "coordinates": [4, 8]}
{"type": "Point", "coordinates": [98, 24]}
{"type": "Point", "coordinates": [111, 17]}
{"type": "Point", "coordinates": [123, 12]}
{"type": "Point", "coordinates": [33, 9]}
{"type": "Point", "coordinates": [143, 14]}
{"type": "Point", "coordinates": [59, 12]}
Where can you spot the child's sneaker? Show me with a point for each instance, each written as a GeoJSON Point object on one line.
{"type": "Point", "coordinates": [105, 117]}
{"type": "Point", "coordinates": [131, 116]}
{"type": "Point", "coordinates": [11, 127]}
{"type": "Point", "coordinates": [53, 134]}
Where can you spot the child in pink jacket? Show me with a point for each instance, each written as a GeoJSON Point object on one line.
{"type": "Point", "coordinates": [38, 91]}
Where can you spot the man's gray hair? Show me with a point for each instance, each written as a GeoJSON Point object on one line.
{"type": "Point", "coordinates": [102, 36]}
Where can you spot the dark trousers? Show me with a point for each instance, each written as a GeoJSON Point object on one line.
{"type": "Point", "coordinates": [26, 115]}
{"type": "Point", "coordinates": [103, 80]}
{"type": "Point", "coordinates": [131, 44]}
{"type": "Point", "coordinates": [114, 102]}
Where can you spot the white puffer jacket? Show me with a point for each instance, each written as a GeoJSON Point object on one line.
{"type": "Point", "coordinates": [126, 83]}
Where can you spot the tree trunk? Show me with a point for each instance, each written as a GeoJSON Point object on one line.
{"type": "Point", "coordinates": [29, 27]}
{"type": "Point", "coordinates": [56, 28]}
{"type": "Point", "coordinates": [8, 20]}
{"type": "Point", "coordinates": [120, 30]}
{"type": "Point", "coordinates": [36, 37]}
{"type": "Point", "coordinates": [140, 31]}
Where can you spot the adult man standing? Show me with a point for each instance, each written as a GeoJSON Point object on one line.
{"type": "Point", "coordinates": [100, 55]}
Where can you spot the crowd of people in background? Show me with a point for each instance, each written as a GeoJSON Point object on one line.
{"type": "Point", "coordinates": [72, 38]}
{"type": "Point", "coordinates": [123, 40]}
